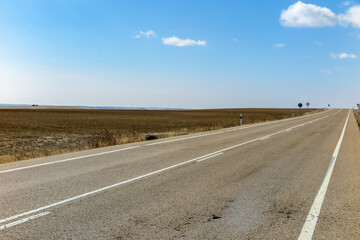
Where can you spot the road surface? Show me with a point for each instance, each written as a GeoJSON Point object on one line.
{"type": "Point", "coordinates": [290, 179]}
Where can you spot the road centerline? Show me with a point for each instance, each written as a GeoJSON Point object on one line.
{"type": "Point", "coordinates": [23, 220]}
{"type": "Point", "coordinates": [211, 156]}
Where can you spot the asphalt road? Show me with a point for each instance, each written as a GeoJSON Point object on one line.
{"type": "Point", "coordinates": [253, 182]}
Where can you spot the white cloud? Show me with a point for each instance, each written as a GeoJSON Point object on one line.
{"type": "Point", "coordinates": [346, 3]}
{"type": "Point", "coordinates": [343, 56]}
{"type": "Point", "coordinates": [279, 45]}
{"type": "Point", "coordinates": [175, 41]}
{"type": "Point", "coordinates": [352, 16]}
{"type": "Point", "coordinates": [307, 15]}
{"type": "Point", "coordinates": [147, 34]}
{"type": "Point", "coordinates": [346, 55]}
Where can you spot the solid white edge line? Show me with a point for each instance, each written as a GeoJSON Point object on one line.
{"type": "Point", "coordinates": [312, 218]}
{"type": "Point", "coordinates": [23, 220]}
{"type": "Point", "coordinates": [156, 143]}
{"type": "Point", "coordinates": [135, 178]}
{"type": "Point", "coordinates": [215, 155]}
{"type": "Point", "coordinates": [180, 139]}
{"type": "Point", "coordinates": [66, 160]}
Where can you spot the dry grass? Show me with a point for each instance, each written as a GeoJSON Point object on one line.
{"type": "Point", "coordinates": [31, 133]}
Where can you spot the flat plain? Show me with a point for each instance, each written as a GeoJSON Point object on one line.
{"type": "Point", "coordinates": [36, 132]}
{"type": "Point", "coordinates": [260, 181]}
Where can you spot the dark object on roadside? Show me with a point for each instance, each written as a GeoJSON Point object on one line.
{"type": "Point", "coordinates": [35, 105]}
{"type": "Point", "coordinates": [300, 105]}
{"type": "Point", "coordinates": [151, 137]}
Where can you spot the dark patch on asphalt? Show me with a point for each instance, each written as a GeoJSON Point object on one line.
{"type": "Point", "coordinates": [287, 213]}
{"type": "Point", "coordinates": [215, 217]}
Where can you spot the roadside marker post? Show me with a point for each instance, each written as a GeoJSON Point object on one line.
{"type": "Point", "coordinates": [293, 113]}
{"type": "Point", "coordinates": [240, 119]}
{"type": "Point", "coordinates": [300, 105]}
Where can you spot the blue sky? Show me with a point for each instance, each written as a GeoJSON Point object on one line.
{"type": "Point", "coordinates": [188, 54]}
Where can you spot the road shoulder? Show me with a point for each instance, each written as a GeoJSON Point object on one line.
{"type": "Point", "coordinates": [340, 215]}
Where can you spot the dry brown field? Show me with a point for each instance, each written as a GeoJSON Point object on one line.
{"type": "Point", "coordinates": [30, 133]}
